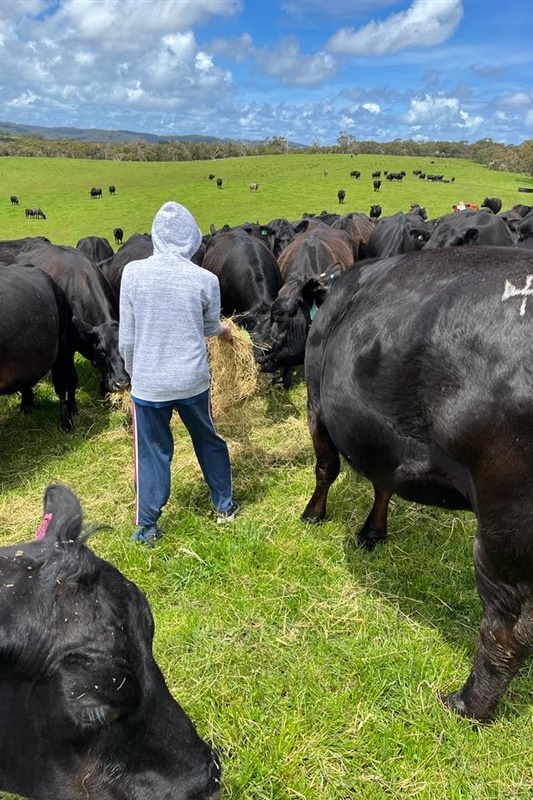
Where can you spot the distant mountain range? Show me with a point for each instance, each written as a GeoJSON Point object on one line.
{"type": "Point", "coordinates": [101, 135]}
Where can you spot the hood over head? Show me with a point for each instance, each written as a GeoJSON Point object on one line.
{"type": "Point", "coordinates": [174, 230]}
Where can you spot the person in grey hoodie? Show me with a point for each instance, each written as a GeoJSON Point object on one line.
{"type": "Point", "coordinates": [168, 305]}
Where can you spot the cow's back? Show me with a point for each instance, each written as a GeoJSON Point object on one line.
{"type": "Point", "coordinates": [426, 347]}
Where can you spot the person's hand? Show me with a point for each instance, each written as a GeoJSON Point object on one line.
{"type": "Point", "coordinates": [226, 334]}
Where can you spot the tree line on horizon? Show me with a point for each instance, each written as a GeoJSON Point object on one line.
{"type": "Point", "coordinates": [494, 155]}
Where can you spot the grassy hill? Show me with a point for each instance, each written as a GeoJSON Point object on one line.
{"type": "Point", "coordinates": [314, 668]}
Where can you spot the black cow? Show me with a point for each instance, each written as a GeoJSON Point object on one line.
{"type": "Point", "coordinates": [11, 248]}
{"type": "Point", "coordinates": [211, 176]}
{"type": "Point", "coordinates": [418, 210]}
{"type": "Point", "coordinates": [359, 228]}
{"type": "Point", "coordinates": [341, 195]}
{"type": "Point", "coordinates": [112, 189]}
{"type": "Point", "coordinates": [93, 303]}
{"type": "Point", "coordinates": [248, 274]}
{"type": "Point", "coordinates": [355, 173]}
{"type": "Point", "coordinates": [14, 200]}
{"type": "Point", "coordinates": [377, 185]}
{"type": "Point", "coordinates": [29, 213]}
{"type": "Point", "coordinates": [306, 264]}
{"type": "Point", "coordinates": [35, 332]}
{"type": "Point", "coordinates": [86, 712]}
{"type": "Point", "coordinates": [280, 232]}
{"type": "Point", "coordinates": [418, 373]}
{"type": "Point", "coordinates": [96, 247]}
{"type": "Point", "coordinates": [399, 233]}
{"type": "Point", "coordinates": [95, 192]}
{"type": "Point", "coordinates": [118, 233]}
{"type": "Point", "coordinates": [219, 182]}
{"type": "Point", "coordinates": [375, 212]}
{"type": "Point", "coordinates": [137, 247]}
{"type": "Point", "coordinates": [494, 204]}
{"type": "Point", "coordinates": [470, 228]}
{"type": "Point", "coordinates": [376, 174]}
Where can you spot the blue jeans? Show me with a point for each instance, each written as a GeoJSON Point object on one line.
{"type": "Point", "coordinates": [154, 448]}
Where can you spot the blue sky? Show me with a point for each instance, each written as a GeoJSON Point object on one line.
{"type": "Point", "coordinates": [306, 70]}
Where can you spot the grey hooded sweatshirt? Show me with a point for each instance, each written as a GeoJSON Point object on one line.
{"type": "Point", "coordinates": [167, 306]}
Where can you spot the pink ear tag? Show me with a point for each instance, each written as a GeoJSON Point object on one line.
{"type": "Point", "coordinates": [43, 527]}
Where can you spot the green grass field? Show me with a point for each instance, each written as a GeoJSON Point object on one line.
{"type": "Point", "coordinates": [313, 667]}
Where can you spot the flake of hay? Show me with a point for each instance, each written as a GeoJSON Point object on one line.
{"type": "Point", "coordinates": [235, 375]}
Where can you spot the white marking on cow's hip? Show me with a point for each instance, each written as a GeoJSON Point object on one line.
{"type": "Point", "coordinates": [512, 291]}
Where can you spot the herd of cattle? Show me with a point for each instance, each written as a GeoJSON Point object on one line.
{"type": "Point", "coordinates": [417, 340]}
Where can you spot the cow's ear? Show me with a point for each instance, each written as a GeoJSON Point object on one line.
{"type": "Point", "coordinates": [302, 226]}
{"type": "Point", "coordinates": [62, 514]}
{"type": "Point", "coordinates": [84, 331]}
{"type": "Point", "coordinates": [314, 292]}
{"type": "Point", "coordinates": [471, 235]}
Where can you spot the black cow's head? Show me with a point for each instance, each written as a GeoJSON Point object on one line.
{"type": "Point", "coordinates": [280, 339]}
{"type": "Point", "coordinates": [99, 344]}
{"type": "Point", "coordinates": [85, 713]}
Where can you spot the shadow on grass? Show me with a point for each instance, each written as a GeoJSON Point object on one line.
{"type": "Point", "coordinates": [30, 441]}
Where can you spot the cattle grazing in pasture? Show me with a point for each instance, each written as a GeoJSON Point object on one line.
{"type": "Point", "coordinates": [341, 195]}
{"type": "Point", "coordinates": [398, 233]}
{"type": "Point", "coordinates": [248, 275]}
{"type": "Point", "coordinates": [137, 247]}
{"type": "Point", "coordinates": [376, 174]}
{"type": "Point", "coordinates": [35, 213]}
{"type": "Point", "coordinates": [96, 247]}
{"type": "Point", "coordinates": [211, 176]}
{"type": "Point", "coordinates": [494, 204]}
{"type": "Point", "coordinates": [254, 187]}
{"type": "Point", "coordinates": [395, 176]}
{"type": "Point", "coordinates": [14, 200]}
{"type": "Point", "coordinates": [355, 173]}
{"type": "Point", "coordinates": [471, 228]}
{"type": "Point", "coordinates": [307, 265]}
{"type": "Point", "coordinates": [219, 183]}
{"type": "Point", "coordinates": [377, 185]}
{"type": "Point", "coordinates": [94, 307]}
{"type": "Point", "coordinates": [86, 712]}
{"type": "Point", "coordinates": [35, 331]}
{"type": "Point", "coordinates": [118, 233]}
{"type": "Point", "coordinates": [95, 192]}
{"type": "Point", "coordinates": [375, 212]}
{"type": "Point", "coordinates": [112, 189]}
{"type": "Point", "coordinates": [418, 373]}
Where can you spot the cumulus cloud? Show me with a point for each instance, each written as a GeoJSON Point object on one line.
{"type": "Point", "coordinates": [293, 68]}
{"type": "Point", "coordinates": [517, 99]}
{"type": "Point", "coordinates": [433, 112]}
{"type": "Point", "coordinates": [425, 24]}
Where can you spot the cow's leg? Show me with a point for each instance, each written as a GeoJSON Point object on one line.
{"type": "Point", "coordinates": [65, 380]}
{"type": "Point", "coordinates": [26, 400]}
{"type": "Point", "coordinates": [326, 470]}
{"type": "Point", "coordinates": [375, 528]}
{"type": "Point", "coordinates": [506, 635]}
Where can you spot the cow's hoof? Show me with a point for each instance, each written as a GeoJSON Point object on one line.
{"type": "Point", "coordinates": [454, 703]}
{"type": "Point", "coordinates": [369, 539]}
{"type": "Point", "coordinates": [310, 518]}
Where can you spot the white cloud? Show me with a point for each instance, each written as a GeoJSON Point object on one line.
{"type": "Point", "coordinates": [293, 68]}
{"type": "Point", "coordinates": [528, 121]}
{"type": "Point", "coordinates": [373, 108]}
{"type": "Point", "coordinates": [517, 100]}
{"type": "Point", "coordinates": [425, 24]}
